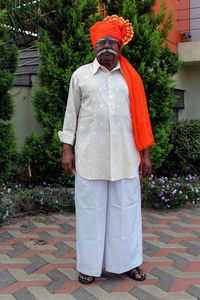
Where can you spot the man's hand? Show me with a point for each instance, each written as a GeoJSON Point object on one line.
{"type": "Point", "coordinates": [68, 160]}
{"type": "Point", "coordinates": [146, 163]}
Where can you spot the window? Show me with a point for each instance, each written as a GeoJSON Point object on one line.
{"type": "Point", "coordinates": [178, 105]}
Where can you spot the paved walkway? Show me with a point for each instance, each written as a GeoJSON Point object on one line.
{"type": "Point", "coordinates": [37, 260]}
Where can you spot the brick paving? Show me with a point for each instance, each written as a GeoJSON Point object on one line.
{"type": "Point", "coordinates": [38, 258]}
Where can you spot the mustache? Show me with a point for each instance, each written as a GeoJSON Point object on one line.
{"type": "Point", "coordinates": [107, 51]}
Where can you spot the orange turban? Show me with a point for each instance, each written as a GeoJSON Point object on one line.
{"type": "Point", "coordinates": [115, 26]}
{"type": "Point", "coordinates": [122, 31]}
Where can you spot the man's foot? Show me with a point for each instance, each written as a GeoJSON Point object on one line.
{"type": "Point", "coordinates": [136, 274]}
{"type": "Point", "coordinates": [85, 279]}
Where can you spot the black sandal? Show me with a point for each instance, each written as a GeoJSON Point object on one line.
{"type": "Point", "coordinates": [85, 281]}
{"type": "Point", "coordinates": [134, 274]}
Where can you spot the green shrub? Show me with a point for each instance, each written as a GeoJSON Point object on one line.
{"type": "Point", "coordinates": [7, 150]}
{"type": "Point", "coordinates": [184, 157]}
{"type": "Point", "coordinates": [171, 192]}
{"type": "Point", "coordinates": [8, 64]}
{"type": "Point", "coordinates": [44, 162]}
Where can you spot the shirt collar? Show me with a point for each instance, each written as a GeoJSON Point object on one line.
{"type": "Point", "coordinates": [97, 66]}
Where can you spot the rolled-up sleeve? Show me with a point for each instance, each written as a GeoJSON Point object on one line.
{"type": "Point", "coordinates": [68, 134]}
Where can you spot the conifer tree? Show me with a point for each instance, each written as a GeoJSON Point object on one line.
{"type": "Point", "coordinates": [8, 64]}
{"type": "Point", "coordinates": [152, 58]}
{"type": "Point", "coordinates": [64, 46]}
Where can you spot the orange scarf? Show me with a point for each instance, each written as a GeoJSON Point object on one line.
{"type": "Point", "coordinates": [120, 29]}
{"type": "Point", "coordinates": [138, 105]}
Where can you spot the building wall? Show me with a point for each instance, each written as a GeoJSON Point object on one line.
{"type": "Point", "coordinates": [189, 52]}
{"type": "Point", "coordinates": [183, 17]}
{"type": "Point", "coordinates": [181, 22]}
{"type": "Point", "coordinates": [187, 79]}
{"type": "Point", "coordinates": [186, 15]}
{"type": "Point", "coordinates": [186, 19]}
{"type": "Point", "coordinates": [195, 19]}
{"type": "Point", "coordinates": [24, 118]}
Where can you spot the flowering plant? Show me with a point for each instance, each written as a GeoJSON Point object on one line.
{"type": "Point", "coordinates": [171, 192]}
{"type": "Point", "coordinates": [4, 212]}
{"type": "Point", "coordinates": [6, 192]}
{"type": "Point", "coordinates": [48, 199]}
{"type": "Point", "coordinates": [15, 198]}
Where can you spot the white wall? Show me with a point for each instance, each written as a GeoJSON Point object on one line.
{"type": "Point", "coordinates": [195, 19]}
{"type": "Point", "coordinates": [24, 120]}
{"type": "Point", "coordinates": [188, 79]}
{"type": "Point", "coordinates": [189, 52]}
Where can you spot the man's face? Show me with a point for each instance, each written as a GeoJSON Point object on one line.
{"type": "Point", "coordinates": [106, 50]}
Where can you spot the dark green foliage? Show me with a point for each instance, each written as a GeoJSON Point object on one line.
{"type": "Point", "coordinates": [64, 46]}
{"type": "Point", "coordinates": [185, 155]}
{"type": "Point", "coordinates": [32, 146]}
{"type": "Point", "coordinates": [7, 150]}
{"type": "Point", "coordinates": [8, 64]}
{"type": "Point", "coordinates": [155, 63]}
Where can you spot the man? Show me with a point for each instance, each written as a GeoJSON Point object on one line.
{"type": "Point", "coordinates": [107, 119]}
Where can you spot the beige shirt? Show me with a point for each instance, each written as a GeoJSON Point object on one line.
{"type": "Point", "coordinates": [98, 121]}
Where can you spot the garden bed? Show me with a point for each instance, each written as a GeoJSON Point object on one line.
{"type": "Point", "coordinates": [17, 200]}
{"type": "Point", "coordinates": [157, 193]}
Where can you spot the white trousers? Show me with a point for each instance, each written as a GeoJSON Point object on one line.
{"type": "Point", "coordinates": [108, 225]}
